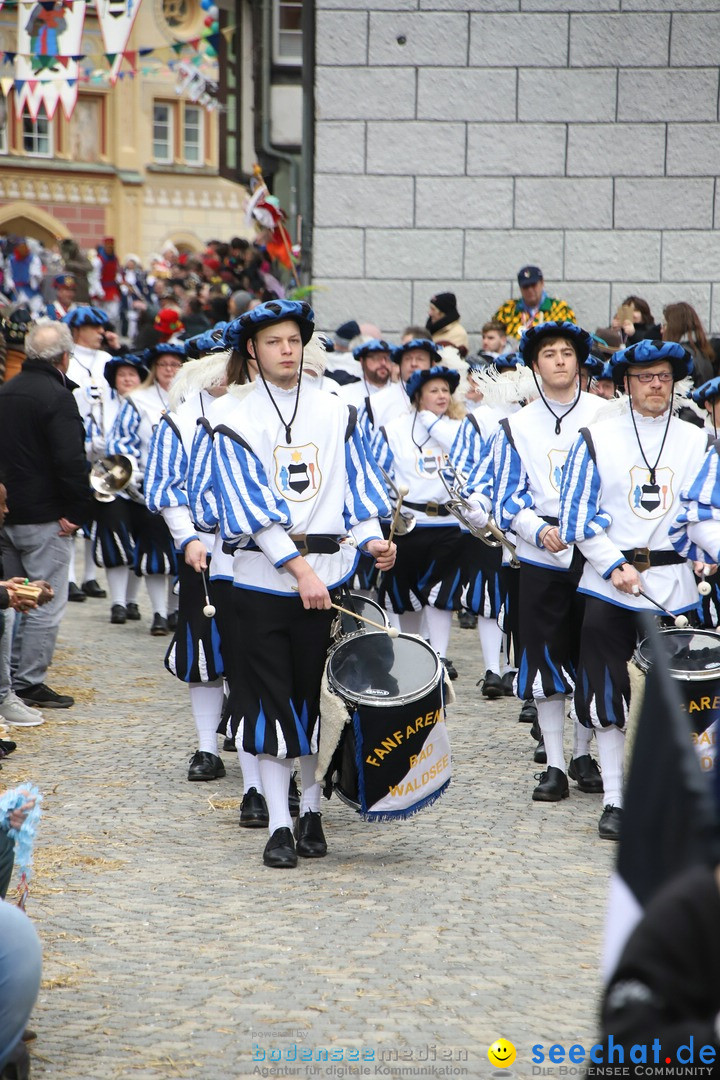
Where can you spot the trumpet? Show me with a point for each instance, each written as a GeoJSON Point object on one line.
{"type": "Point", "coordinates": [109, 475]}
{"type": "Point", "coordinates": [458, 505]}
{"type": "Point", "coordinates": [403, 521]}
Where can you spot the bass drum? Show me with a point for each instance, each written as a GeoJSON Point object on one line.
{"type": "Point", "coordinates": [363, 605]}
{"type": "Point", "coordinates": [394, 757]}
{"type": "Point", "coordinates": [694, 658]}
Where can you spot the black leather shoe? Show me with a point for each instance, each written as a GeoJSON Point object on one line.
{"type": "Point", "coordinates": [450, 668]}
{"type": "Point", "coordinates": [586, 774]}
{"type": "Point", "coordinates": [75, 595]}
{"type": "Point", "coordinates": [280, 850]}
{"type": "Point", "coordinates": [467, 620]}
{"type": "Point", "coordinates": [6, 747]}
{"type": "Point", "coordinates": [159, 626]}
{"type": "Point", "coordinates": [293, 797]}
{"type": "Point", "coordinates": [205, 766]}
{"type": "Point", "coordinates": [229, 746]}
{"type": "Point", "coordinates": [253, 810]}
{"type": "Point", "coordinates": [310, 836]}
{"type": "Point", "coordinates": [93, 590]}
{"type": "Point", "coordinates": [540, 757]}
{"type": "Point", "coordinates": [118, 614]}
{"type": "Point", "coordinates": [535, 732]}
{"type": "Point", "coordinates": [492, 686]}
{"type": "Point", "coordinates": [172, 620]}
{"type": "Point", "coordinates": [553, 786]}
{"type": "Point", "coordinates": [507, 680]}
{"type": "Point", "coordinates": [133, 612]}
{"type": "Point", "coordinates": [528, 713]}
{"type": "Point", "coordinates": [610, 823]}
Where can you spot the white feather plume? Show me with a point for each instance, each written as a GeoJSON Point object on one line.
{"type": "Point", "coordinates": [314, 356]}
{"type": "Point", "coordinates": [500, 388]}
{"type": "Point", "coordinates": [196, 375]}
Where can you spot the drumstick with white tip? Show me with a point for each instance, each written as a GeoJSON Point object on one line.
{"type": "Point", "coordinates": [681, 621]}
{"type": "Point", "coordinates": [402, 490]}
{"type": "Point", "coordinates": [704, 586]}
{"type": "Point", "coordinates": [209, 609]}
{"type": "Point", "coordinates": [391, 631]}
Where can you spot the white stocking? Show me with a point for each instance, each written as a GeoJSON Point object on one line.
{"type": "Point", "coordinates": [491, 637]}
{"type": "Point", "coordinates": [551, 718]}
{"type": "Point", "coordinates": [206, 703]}
{"type": "Point", "coordinates": [276, 773]}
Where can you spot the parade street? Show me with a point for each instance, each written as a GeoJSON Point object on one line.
{"type": "Point", "coordinates": [171, 951]}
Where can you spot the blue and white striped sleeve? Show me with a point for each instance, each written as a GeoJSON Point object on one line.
{"type": "Point", "coordinates": [247, 505]}
{"type": "Point", "coordinates": [513, 502]}
{"type": "Point", "coordinates": [468, 448]}
{"type": "Point", "coordinates": [201, 497]}
{"type": "Point", "coordinates": [582, 519]}
{"type": "Point", "coordinates": [365, 495]}
{"type": "Point", "coordinates": [167, 468]}
{"type": "Point", "coordinates": [166, 481]}
{"type": "Point", "coordinates": [124, 437]}
{"type": "Point", "coordinates": [480, 482]}
{"type": "Point", "coordinates": [696, 531]}
{"type": "Point", "coordinates": [380, 450]}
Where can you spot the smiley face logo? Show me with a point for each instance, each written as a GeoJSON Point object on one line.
{"type": "Point", "coordinates": [501, 1054]}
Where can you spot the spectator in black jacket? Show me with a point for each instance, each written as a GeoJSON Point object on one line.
{"type": "Point", "coordinates": [43, 454]}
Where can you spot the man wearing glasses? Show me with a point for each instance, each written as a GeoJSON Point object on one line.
{"type": "Point", "coordinates": [619, 497]}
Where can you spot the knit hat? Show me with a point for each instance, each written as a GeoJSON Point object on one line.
{"type": "Point", "coordinates": [345, 333]}
{"type": "Point", "coordinates": [447, 303]}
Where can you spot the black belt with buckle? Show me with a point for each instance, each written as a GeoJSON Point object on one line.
{"type": "Point", "coordinates": [432, 509]}
{"type": "Point", "coordinates": [316, 544]}
{"type": "Point", "coordinates": [642, 558]}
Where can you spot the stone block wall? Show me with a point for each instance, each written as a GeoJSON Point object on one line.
{"type": "Point", "coordinates": [457, 140]}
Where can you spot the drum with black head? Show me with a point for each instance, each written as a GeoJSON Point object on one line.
{"type": "Point", "coordinates": [394, 756]}
{"type": "Point", "coordinates": [694, 664]}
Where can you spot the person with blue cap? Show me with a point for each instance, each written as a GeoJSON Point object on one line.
{"type": "Point", "coordinates": [131, 435]}
{"type": "Point", "coordinates": [530, 450]}
{"type": "Point", "coordinates": [412, 449]}
{"type": "Point", "coordinates": [417, 354]}
{"type": "Point", "coordinates": [374, 356]}
{"type": "Point", "coordinates": [533, 307]}
{"type": "Point", "coordinates": [620, 496]}
{"type": "Point", "coordinates": [292, 481]}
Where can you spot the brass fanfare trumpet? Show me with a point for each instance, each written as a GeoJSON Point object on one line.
{"type": "Point", "coordinates": [458, 505]}
{"type": "Point", "coordinates": [109, 475]}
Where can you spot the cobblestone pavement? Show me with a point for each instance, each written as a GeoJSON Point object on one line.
{"type": "Point", "coordinates": [170, 951]}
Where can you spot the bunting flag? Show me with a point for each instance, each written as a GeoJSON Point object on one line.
{"type": "Point", "coordinates": [670, 820]}
{"type": "Point", "coordinates": [116, 18]}
{"type": "Point", "coordinates": [46, 71]}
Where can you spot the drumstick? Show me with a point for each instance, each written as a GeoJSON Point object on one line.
{"type": "Point", "coordinates": [209, 609]}
{"type": "Point", "coordinates": [704, 586]}
{"type": "Point", "coordinates": [681, 621]}
{"type": "Point", "coordinates": [402, 490]}
{"type": "Point", "coordinates": [391, 631]}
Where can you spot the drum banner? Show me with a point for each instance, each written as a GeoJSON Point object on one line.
{"type": "Point", "coordinates": [403, 760]}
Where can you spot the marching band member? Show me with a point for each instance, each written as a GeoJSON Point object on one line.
{"type": "Point", "coordinates": [194, 655]}
{"type": "Point", "coordinates": [412, 449]}
{"type": "Point", "coordinates": [375, 359]}
{"type": "Point", "coordinates": [131, 435]}
{"type": "Point", "coordinates": [620, 496]}
{"type": "Point", "coordinates": [111, 532]}
{"type": "Point", "coordinates": [87, 370]}
{"type": "Point", "coordinates": [418, 354]}
{"type": "Point", "coordinates": [530, 451]}
{"type": "Point", "coordinates": [286, 503]}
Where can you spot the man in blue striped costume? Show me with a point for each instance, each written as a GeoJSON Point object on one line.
{"type": "Point", "coordinates": [292, 478]}
{"type": "Point", "coordinates": [530, 451]}
{"type": "Point", "coordinates": [620, 496]}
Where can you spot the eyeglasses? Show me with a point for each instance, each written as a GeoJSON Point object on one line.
{"type": "Point", "coordinates": [169, 366]}
{"type": "Point", "coordinates": [648, 376]}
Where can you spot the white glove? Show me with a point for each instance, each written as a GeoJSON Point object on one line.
{"type": "Point", "coordinates": [477, 516]}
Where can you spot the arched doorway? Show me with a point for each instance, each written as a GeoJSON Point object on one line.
{"type": "Point", "coordinates": [23, 219]}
